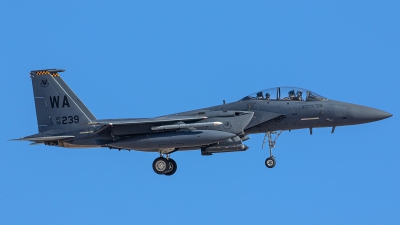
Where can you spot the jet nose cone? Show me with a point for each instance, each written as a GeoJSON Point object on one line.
{"type": "Point", "coordinates": [377, 114]}
{"type": "Point", "coordinates": [365, 114]}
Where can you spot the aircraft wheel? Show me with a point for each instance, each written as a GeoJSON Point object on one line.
{"type": "Point", "coordinates": [172, 167]}
{"type": "Point", "coordinates": [161, 165]}
{"type": "Point", "coordinates": [270, 162]}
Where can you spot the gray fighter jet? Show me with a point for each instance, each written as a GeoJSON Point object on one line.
{"type": "Point", "coordinates": [64, 121]}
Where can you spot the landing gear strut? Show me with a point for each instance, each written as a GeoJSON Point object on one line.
{"type": "Point", "coordinates": [164, 165]}
{"type": "Point", "coordinates": [270, 161]}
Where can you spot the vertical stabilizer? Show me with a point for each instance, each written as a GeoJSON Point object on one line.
{"type": "Point", "coordinates": [58, 109]}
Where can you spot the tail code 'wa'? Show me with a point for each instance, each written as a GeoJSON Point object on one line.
{"type": "Point", "coordinates": [55, 100]}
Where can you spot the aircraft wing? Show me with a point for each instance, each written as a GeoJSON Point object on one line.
{"type": "Point", "coordinates": [145, 125]}
{"type": "Point", "coordinates": [163, 119]}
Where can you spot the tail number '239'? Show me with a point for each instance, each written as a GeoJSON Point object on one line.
{"type": "Point", "coordinates": [67, 120]}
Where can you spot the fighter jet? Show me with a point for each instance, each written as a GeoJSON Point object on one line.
{"type": "Point", "coordinates": [64, 121]}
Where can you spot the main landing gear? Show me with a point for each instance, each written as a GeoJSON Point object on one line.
{"type": "Point", "coordinates": [270, 161]}
{"type": "Point", "coordinates": [164, 166]}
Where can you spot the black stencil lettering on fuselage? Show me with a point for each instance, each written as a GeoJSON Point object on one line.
{"type": "Point", "coordinates": [65, 101]}
{"type": "Point", "coordinates": [67, 119]}
{"type": "Point", "coordinates": [55, 102]}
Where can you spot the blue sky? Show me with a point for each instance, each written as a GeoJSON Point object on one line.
{"type": "Point", "coordinates": [151, 58]}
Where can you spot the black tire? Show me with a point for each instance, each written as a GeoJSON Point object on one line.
{"type": "Point", "coordinates": [270, 162]}
{"type": "Point", "coordinates": [172, 167]}
{"type": "Point", "coordinates": [161, 165]}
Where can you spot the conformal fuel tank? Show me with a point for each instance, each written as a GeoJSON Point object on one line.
{"type": "Point", "coordinates": [163, 140]}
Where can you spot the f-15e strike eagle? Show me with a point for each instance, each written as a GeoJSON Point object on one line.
{"type": "Point", "coordinates": [64, 121]}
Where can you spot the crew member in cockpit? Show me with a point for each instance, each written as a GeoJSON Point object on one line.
{"type": "Point", "coordinates": [260, 95]}
{"type": "Point", "coordinates": [292, 95]}
{"type": "Point", "coordinates": [267, 96]}
{"type": "Point", "coordinates": [300, 95]}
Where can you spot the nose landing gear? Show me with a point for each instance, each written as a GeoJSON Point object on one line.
{"type": "Point", "coordinates": [270, 162]}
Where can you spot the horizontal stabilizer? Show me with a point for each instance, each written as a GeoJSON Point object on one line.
{"type": "Point", "coordinates": [44, 139]}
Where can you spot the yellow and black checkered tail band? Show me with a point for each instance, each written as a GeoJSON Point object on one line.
{"type": "Point", "coordinates": [45, 72]}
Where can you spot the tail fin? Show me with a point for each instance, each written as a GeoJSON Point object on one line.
{"type": "Point", "coordinates": [57, 107]}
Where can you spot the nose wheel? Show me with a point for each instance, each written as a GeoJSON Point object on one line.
{"type": "Point", "coordinates": [164, 166]}
{"type": "Point", "coordinates": [270, 162]}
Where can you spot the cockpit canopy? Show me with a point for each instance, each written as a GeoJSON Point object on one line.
{"type": "Point", "coordinates": [285, 94]}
